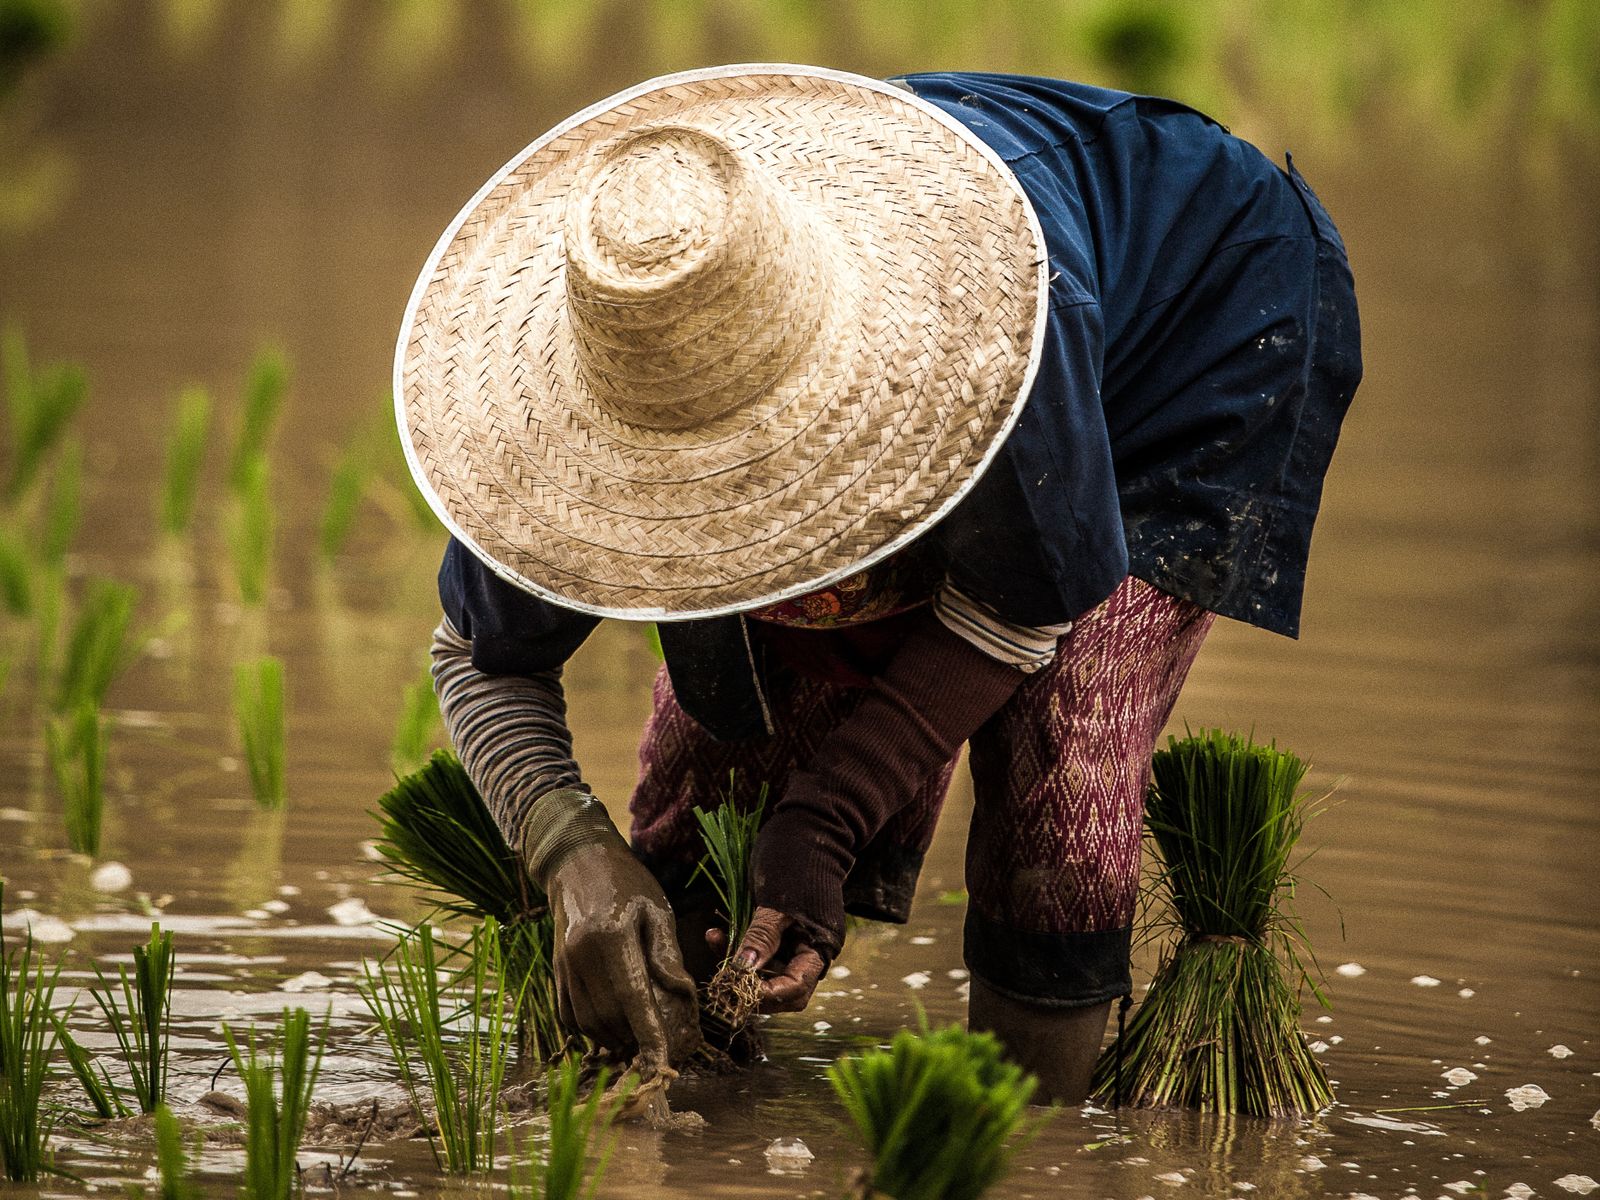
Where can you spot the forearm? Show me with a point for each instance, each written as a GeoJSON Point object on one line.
{"type": "Point", "coordinates": [510, 732]}
{"type": "Point", "coordinates": [936, 692]}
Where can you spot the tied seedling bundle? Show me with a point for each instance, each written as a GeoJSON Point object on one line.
{"type": "Point", "coordinates": [730, 999]}
{"type": "Point", "coordinates": [439, 836]}
{"type": "Point", "coordinates": [938, 1111]}
{"type": "Point", "coordinates": [1219, 1029]}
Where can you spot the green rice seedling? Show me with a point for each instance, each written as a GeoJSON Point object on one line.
{"type": "Point", "coordinates": [102, 1092]}
{"type": "Point", "coordinates": [39, 406]}
{"type": "Point", "coordinates": [186, 452]}
{"type": "Point", "coordinates": [251, 534]}
{"type": "Point", "coordinates": [27, 1046]}
{"type": "Point", "coordinates": [264, 390]}
{"type": "Point", "coordinates": [64, 509]}
{"type": "Point", "coordinates": [939, 1112]}
{"type": "Point", "coordinates": [419, 728]}
{"type": "Point", "coordinates": [1219, 1029]}
{"type": "Point", "coordinates": [579, 1130]}
{"type": "Point", "coordinates": [730, 840]}
{"type": "Point", "coordinates": [172, 1161]}
{"type": "Point", "coordinates": [98, 647]}
{"type": "Point", "coordinates": [278, 1084]}
{"type": "Point", "coordinates": [258, 705]}
{"type": "Point", "coordinates": [344, 498]}
{"type": "Point", "coordinates": [141, 1019]}
{"type": "Point", "coordinates": [75, 746]}
{"type": "Point", "coordinates": [459, 1060]}
{"type": "Point", "coordinates": [438, 836]}
{"type": "Point", "coordinates": [16, 576]}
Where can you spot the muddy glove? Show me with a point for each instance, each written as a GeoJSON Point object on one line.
{"type": "Point", "coordinates": [619, 974]}
{"type": "Point", "coordinates": [936, 692]}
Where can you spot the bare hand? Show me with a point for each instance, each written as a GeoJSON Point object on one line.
{"type": "Point", "coordinates": [794, 967]}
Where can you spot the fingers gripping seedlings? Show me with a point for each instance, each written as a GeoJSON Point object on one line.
{"type": "Point", "coordinates": [730, 838]}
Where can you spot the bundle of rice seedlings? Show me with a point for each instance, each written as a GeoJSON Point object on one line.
{"type": "Point", "coordinates": [1219, 1029]}
{"type": "Point", "coordinates": [265, 386]}
{"type": "Point", "coordinates": [141, 1020]}
{"type": "Point", "coordinates": [258, 708]}
{"type": "Point", "coordinates": [452, 1046]}
{"type": "Point", "coordinates": [730, 839]}
{"type": "Point", "coordinates": [39, 407]}
{"type": "Point", "coordinates": [186, 452]}
{"type": "Point", "coordinates": [97, 648]}
{"type": "Point", "coordinates": [27, 1046]}
{"type": "Point", "coordinates": [438, 836]}
{"type": "Point", "coordinates": [251, 532]}
{"type": "Point", "coordinates": [418, 731]}
{"type": "Point", "coordinates": [577, 1131]}
{"type": "Point", "coordinates": [938, 1111]}
{"type": "Point", "coordinates": [278, 1085]}
{"type": "Point", "coordinates": [75, 746]}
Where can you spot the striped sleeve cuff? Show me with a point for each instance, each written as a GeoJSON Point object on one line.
{"type": "Point", "coordinates": [1029, 648]}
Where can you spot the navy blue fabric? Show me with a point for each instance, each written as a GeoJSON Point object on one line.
{"type": "Point", "coordinates": [1202, 348]}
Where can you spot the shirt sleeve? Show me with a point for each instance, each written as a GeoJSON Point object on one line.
{"type": "Point", "coordinates": [1029, 648]}
{"type": "Point", "coordinates": [510, 731]}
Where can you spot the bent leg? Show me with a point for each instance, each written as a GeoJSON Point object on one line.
{"type": "Point", "coordinates": [1059, 779]}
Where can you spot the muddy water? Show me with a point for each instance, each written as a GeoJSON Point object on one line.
{"type": "Point", "coordinates": [1446, 682]}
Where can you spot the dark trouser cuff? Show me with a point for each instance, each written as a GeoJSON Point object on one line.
{"type": "Point", "coordinates": [1053, 970]}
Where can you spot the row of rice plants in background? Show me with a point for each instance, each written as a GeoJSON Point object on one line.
{"type": "Point", "coordinates": [372, 468]}
{"type": "Point", "coordinates": [39, 407]}
{"type": "Point", "coordinates": [258, 705]}
{"type": "Point", "coordinates": [420, 727]}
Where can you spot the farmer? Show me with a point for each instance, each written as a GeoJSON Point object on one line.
{"type": "Point", "coordinates": [943, 411]}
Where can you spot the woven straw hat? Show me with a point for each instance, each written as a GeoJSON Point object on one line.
{"type": "Point", "coordinates": [720, 340]}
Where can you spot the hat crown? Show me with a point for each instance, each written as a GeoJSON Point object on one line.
{"type": "Point", "coordinates": [691, 276]}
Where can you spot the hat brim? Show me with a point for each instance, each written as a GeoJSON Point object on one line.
{"type": "Point", "coordinates": [933, 337]}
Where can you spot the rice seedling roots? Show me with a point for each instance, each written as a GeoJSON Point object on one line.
{"type": "Point", "coordinates": [728, 1018]}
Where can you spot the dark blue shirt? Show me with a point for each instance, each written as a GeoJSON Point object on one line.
{"type": "Point", "coordinates": [1201, 350]}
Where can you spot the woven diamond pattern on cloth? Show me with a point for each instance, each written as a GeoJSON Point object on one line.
{"type": "Point", "coordinates": [682, 766]}
{"type": "Point", "coordinates": [1060, 774]}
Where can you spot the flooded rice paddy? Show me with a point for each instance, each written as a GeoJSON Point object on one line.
{"type": "Point", "coordinates": [1448, 681]}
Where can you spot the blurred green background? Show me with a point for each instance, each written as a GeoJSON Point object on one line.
{"type": "Point", "coordinates": [1522, 76]}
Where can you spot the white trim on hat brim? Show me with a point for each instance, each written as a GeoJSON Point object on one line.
{"type": "Point", "coordinates": [913, 531]}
